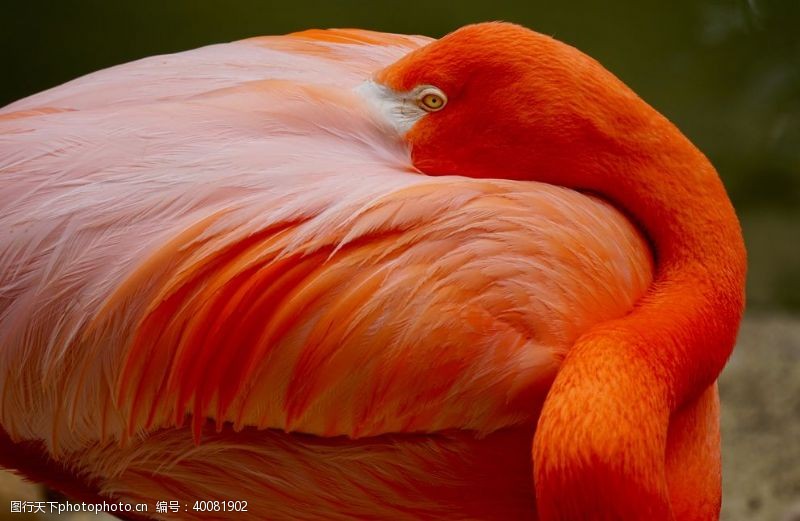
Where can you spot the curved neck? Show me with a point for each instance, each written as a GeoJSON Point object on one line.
{"type": "Point", "coordinates": [696, 301]}
{"type": "Point", "coordinates": [639, 371]}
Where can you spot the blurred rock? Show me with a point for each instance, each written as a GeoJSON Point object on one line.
{"type": "Point", "coordinates": [760, 393]}
{"type": "Point", "coordinates": [793, 514]}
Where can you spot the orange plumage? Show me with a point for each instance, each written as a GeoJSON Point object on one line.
{"type": "Point", "coordinates": [264, 271]}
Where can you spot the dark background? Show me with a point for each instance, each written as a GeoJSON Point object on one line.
{"type": "Point", "coordinates": [727, 72]}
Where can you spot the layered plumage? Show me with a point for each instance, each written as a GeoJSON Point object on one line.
{"type": "Point", "coordinates": [222, 276]}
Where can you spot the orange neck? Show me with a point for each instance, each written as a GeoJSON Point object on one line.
{"type": "Point", "coordinates": [602, 434]}
{"type": "Point", "coordinates": [697, 297]}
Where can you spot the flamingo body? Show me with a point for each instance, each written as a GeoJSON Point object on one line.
{"type": "Point", "coordinates": [223, 277]}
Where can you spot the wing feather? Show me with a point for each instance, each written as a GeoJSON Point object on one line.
{"type": "Point", "coordinates": [227, 234]}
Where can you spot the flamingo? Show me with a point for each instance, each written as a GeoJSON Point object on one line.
{"type": "Point", "coordinates": [341, 274]}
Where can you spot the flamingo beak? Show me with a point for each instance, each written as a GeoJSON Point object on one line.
{"type": "Point", "coordinates": [398, 111]}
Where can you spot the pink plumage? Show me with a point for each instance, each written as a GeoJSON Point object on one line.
{"type": "Point", "coordinates": [225, 247]}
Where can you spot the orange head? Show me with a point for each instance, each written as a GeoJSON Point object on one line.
{"type": "Point", "coordinates": [518, 105]}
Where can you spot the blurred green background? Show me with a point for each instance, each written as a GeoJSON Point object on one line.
{"type": "Point", "coordinates": [727, 72]}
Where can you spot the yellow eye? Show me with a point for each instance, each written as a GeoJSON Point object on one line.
{"type": "Point", "coordinates": [432, 99]}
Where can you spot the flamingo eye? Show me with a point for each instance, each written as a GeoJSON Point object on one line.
{"type": "Point", "coordinates": [431, 99]}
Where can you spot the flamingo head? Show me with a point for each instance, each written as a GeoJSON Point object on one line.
{"type": "Point", "coordinates": [500, 100]}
